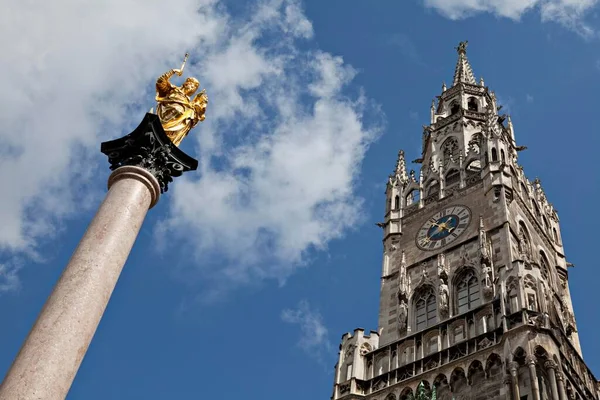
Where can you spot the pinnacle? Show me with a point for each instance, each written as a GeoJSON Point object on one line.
{"type": "Point", "coordinates": [463, 72]}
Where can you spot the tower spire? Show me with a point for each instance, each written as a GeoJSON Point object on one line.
{"type": "Point", "coordinates": [463, 72]}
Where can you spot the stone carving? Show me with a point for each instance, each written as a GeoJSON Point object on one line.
{"type": "Point", "coordinates": [442, 268]}
{"type": "Point", "coordinates": [344, 388]}
{"type": "Point", "coordinates": [149, 147]}
{"type": "Point", "coordinates": [549, 364]}
{"type": "Point", "coordinates": [402, 316]}
{"type": "Point", "coordinates": [513, 368]}
{"type": "Point", "coordinates": [485, 342]}
{"type": "Point", "coordinates": [350, 352]}
{"type": "Point", "coordinates": [444, 299]}
{"type": "Point", "coordinates": [365, 348]}
{"type": "Point", "coordinates": [379, 384]}
{"type": "Point", "coordinates": [403, 280]}
{"type": "Point", "coordinates": [486, 280]}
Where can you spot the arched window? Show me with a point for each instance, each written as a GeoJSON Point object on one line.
{"type": "Point", "coordinates": [467, 293]}
{"type": "Point", "coordinates": [397, 202]}
{"type": "Point", "coordinates": [472, 104]}
{"type": "Point", "coordinates": [432, 188]}
{"type": "Point", "coordinates": [452, 177]}
{"type": "Point", "coordinates": [502, 156]}
{"type": "Point", "coordinates": [494, 154]}
{"type": "Point", "coordinates": [474, 167]}
{"type": "Point", "coordinates": [544, 266]}
{"type": "Point", "coordinates": [413, 197]}
{"type": "Point", "coordinates": [476, 142]}
{"type": "Point", "coordinates": [524, 191]}
{"type": "Point", "coordinates": [454, 107]}
{"type": "Point", "coordinates": [450, 150]}
{"type": "Point", "coordinates": [425, 308]}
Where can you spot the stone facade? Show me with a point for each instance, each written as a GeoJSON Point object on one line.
{"type": "Point", "coordinates": [486, 313]}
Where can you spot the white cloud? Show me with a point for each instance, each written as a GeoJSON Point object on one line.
{"type": "Point", "coordinates": [529, 98]}
{"type": "Point", "coordinates": [279, 156]}
{"type": "Point", "coordinates": [569, 13]}
{"type": "Point", "coordinates": [280, 149]}
{"type": "Point", "coordinates": [314, 334]}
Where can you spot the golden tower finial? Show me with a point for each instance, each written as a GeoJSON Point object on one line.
{"type": "Point", "coordinates": [179, 113]}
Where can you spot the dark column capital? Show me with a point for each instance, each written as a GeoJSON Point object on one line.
{"type": "Point", "coordinates": [149, 147]}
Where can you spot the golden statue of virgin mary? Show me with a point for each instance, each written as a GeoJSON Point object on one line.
{"type": "Point", "coordinates": [177, 111]}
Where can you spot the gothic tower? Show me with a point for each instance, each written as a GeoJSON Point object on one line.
{"type": "Point", "coordinates": [475, 302]}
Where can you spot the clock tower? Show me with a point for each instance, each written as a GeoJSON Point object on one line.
{"type": "Point", "coordinates": [475, 301]}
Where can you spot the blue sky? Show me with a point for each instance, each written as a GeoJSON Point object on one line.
{"type": "Point", "coordinates": [247, 273]}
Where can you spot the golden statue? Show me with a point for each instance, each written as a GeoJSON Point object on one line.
{"type": "Point", "coordinates": [177, 112]}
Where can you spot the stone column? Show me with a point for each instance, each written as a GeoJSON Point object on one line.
{"type": "Point", "coordinates": [562, 394]}
{"type": "Point", "coordinates": [508, 384]}
{"type": "Point", "coordinates": [513, 367]}
{"type": "Point", "coordinates": [551, 368]}
{"type": "Point", "coordinates": [533, 376]}
{"type": "Point", "coordinates": [50, 357]}
{"type": "Point", "coordinates": [143, 162]}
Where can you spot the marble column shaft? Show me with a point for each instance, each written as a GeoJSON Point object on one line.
{"type": "Point", "coordinates": [49, 359]}
{"type": "Point", "coordinates": [533, 377]}
{"type": "Point", "coordinates": [551, 368]}
{"type": "Point", "coordinates": [513, 367]}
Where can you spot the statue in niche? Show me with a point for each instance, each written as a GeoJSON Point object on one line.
{"type": "Point", "coordinates": [486, 278]}
{"type": "Point", "coordinates": [444, 298]}
{"type": "Point", "coordinates": [523, 245]}
{"type": "Point", "coordinates": [402, 315]}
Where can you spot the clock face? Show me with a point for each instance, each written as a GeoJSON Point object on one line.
{"type": "Point", "coordinates": [443, 227]}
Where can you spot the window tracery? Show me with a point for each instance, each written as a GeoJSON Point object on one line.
{"type": "Point", "coordinates": [467, 291]}
{"type": "Point", "coordinates": [450, 150]}
{"type": "Point", "coordinates": [425, 308]}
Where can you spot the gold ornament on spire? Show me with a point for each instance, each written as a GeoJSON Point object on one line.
{"type": "Point", "coordinates": [177, 111]}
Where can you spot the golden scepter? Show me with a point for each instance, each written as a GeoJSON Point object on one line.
{"type": "Point", "coordinates": [180, 71]}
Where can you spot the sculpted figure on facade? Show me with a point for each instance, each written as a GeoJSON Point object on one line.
{"type": "Point", "coordinates": [524, 250]}
{"type": "Point", "coordinates": [179, 113]}
{"type": "Point", "coordinates": [444, 297]}
{"type": "Point", "coordinates": [402, 316]}
{"type": "Point", "coordinates": [442, 268]}
{"type": "Point", "coordinates": [403, 279]}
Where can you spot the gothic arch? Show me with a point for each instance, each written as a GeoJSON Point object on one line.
{"type": "Point", "coordinates": [454, 107]}
{"type": "Point", "coordinates": [412, 197]}
{"type": "Point", "coordinates": [432, 187]}
{"type": "Point", "coordinates": [406, 394]}
{"type": "Point", "coordinates": [545, 270]}
{"type": "Point", "coordinates": [531, 294]}
{"type": "Point", "coordinates": [425, 308]}
{"type": "Point", "coordinates": [450, 150]}
{"type": "Point", "coordinates": [442, 388]}
{"type": "Point", "coordinates": [458, 380]}
{"type": "Point", "coordinates": [396, 202]}
{"type": "Point", "coordinates": [390, 396]}
{"type": "Point", "coordinates": [540, 353]}
{"type": "Point", "coordinates": [467, 290]}
{"type": "Point", "coordinates": [473, 167]}
{"type": "Point", "coordinates": [452, 177]}
{"type": "Point", "coordinates": [493, 365]}
{"type": "Point", "coordinates": [476, 374]}
{"type": "Point", "coordinates": [519, 355]}
{"type": "Point", "coordinates": [405, 353]}
{"type": "Point", "coordinates": [472, 104]}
